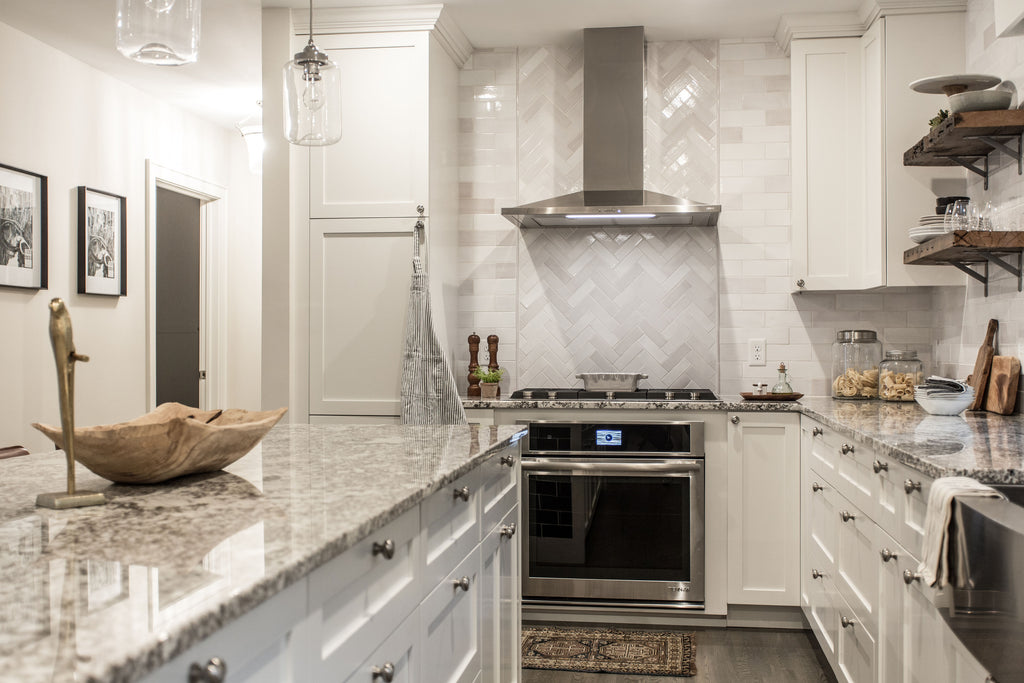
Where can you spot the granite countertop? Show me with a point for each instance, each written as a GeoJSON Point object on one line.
{"type": "Point", "coordinates": [984, 446]}
{"type": "Point", "coordinates": [110, 593]}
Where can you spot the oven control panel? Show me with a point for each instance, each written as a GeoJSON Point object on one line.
{"type": "Point", "coordinates": [619, 438]}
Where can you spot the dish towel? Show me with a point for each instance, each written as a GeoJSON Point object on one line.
{"type": "Point", "coordinates": [934, 567]}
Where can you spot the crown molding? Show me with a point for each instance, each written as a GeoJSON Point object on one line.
{"type": "Point", "coordinates": [433, 18]}
{"type": "Point", "coordinates": [852, 24]}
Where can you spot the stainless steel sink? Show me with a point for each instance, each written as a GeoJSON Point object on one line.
{"type": "Point", "coordinates": [986, 556]}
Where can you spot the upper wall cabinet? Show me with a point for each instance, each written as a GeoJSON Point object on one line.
{"type": "Point", "coordinates": [853, 115]}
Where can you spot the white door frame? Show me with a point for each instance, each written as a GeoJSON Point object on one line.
{"type": "Point", "coordinates": [212, 280]}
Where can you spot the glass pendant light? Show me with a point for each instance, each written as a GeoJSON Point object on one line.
{"type": "Point", "coordinates": [164, 32]}
{"type": "Point", "coordinates": [312, 96]}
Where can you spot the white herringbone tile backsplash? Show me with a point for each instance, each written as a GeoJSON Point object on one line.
{"type": "Point", "coordinates": [593, 300]}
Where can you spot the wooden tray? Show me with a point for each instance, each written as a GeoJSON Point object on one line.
{"type": "Point", "coordinates": [747, 396]}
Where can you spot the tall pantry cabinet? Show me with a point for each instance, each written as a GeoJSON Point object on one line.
{"type": "Point", "coordinates": [398, 152]}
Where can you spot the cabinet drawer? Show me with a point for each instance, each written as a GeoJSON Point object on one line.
{"type": "Point", "coordinates": [856, 478]}
{"type": "Point", "coordinates": [450, 627]}
{"type": "Point", "coordinates": [823, 456]}
{"type": "Point", "coordinates": [915, 486]}
{"type": "Point", "coordinates": [821, 614]}
{"type": "Point", "coordinates": [362, 595]}
{"type": "Point", "coordinates": [890, 494]}
{"type": "Point", "coordinates": [399, 654]}
{"type": "Point", "coordinates": [857, 565]}
{"type": "Point", "coordinates": [450, 521]}
{"type": "Point", "coordinates": [823, 519]}
{"type": "Point", "coordinates": [855, 649]}
{"type": "Point", "coordinates": [925, 658]}
{"type": "Point", "coordinates": [499, 482]}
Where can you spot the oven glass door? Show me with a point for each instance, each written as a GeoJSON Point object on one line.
{"type": "Point", "coordinates": [615, 530]}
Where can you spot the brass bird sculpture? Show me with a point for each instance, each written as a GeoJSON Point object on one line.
{"type": "Point", "coordinates": [65, 356]}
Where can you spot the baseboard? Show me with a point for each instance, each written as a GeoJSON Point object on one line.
{"type": "Point", "coordinates": [756, 616]}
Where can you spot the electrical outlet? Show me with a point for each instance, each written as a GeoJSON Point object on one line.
{"type": "Point", "coordinates": [757, 352]}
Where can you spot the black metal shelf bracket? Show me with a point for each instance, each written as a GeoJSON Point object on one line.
{"type": "Point", "coordinates": [964, 161]}
{"type": "Point", "coordinates": [990, 257]}
{"type": "Point", "coordinates": [997, 143]}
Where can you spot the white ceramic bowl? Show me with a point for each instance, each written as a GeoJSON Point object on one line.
{"type": "Point", "coordinates": [945, 406]}
{"type": "Point", "coordinates": [980, 100]}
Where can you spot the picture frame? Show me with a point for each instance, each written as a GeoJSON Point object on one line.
{"type": "Point", "coordinates": [102, 234]}
{"type": "Point", "coordinates": [23, 227]}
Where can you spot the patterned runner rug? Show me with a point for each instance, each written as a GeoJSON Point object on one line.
{"type": "Point", "coordinates": [604, 650]}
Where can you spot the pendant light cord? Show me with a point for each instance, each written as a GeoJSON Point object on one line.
{"type": "Point", "coordinates": [310, 22]}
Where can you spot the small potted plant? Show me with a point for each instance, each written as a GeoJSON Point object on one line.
{"type": "Point", "coordinates": [489, 380]}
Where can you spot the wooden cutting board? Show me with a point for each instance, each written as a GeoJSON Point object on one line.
{"type": "Point", "coordinates": [1001, 396]}
{"type": "Point", "coordinates": [982, 366]}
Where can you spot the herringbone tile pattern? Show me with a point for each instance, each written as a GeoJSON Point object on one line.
{"type": "Point", "coordinates": [681, 145]}
{"type": "Point", "coordinates": [550, 121]}
{"type": "Point", "coordinates": [619, 300]}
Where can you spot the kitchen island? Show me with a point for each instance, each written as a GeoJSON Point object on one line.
{"type": "Point", "coordinates": [981, 445]}
{"type": "Point", "coordinates": [114, 592]}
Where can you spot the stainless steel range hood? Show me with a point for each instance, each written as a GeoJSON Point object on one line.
{"type": "Point", "coordinates": [613, 148]}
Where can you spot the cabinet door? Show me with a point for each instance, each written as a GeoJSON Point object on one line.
{"type": "Point", "coordinates": [450, 626]}
{"type": "Point", "coordinates": [359, 272]}
{"type": "Point", "coordinates": [828, 175]}
{"type": "Point", "coordinates": [855, 651]}
{"type": "Point", "coordinates": [925, 657]}
{"type": "Point", "coordinates": [379, 168]}
{"type": "Point", "coordinates": [397, 655]}
{"type": "Point", "coordinates": [764, 509]}
{"type": "Point", "coordinates": [361, 596]}
{"type": "Point", "coordinates": [499, 601]}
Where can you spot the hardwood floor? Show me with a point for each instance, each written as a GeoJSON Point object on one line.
{"type": "Point", "coordinates": [728, 655]}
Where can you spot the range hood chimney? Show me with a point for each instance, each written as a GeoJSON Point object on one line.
{"type": "Point", "coordinates": [613, 148]}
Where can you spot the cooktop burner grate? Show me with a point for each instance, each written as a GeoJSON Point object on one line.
{"type": "Point", "coordinates": [559, 394]}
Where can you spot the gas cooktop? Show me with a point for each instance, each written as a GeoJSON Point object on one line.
{"type": "Point", "coordinates": [638, 395]}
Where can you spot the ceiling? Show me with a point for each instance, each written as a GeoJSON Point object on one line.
{"type": "Point", "coordinates": [225, 84]}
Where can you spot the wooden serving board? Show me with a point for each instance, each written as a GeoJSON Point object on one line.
{"type": "Point", "coordinates": [983, 365]}
{"type": "Point", "coordinates": [1001, 396]}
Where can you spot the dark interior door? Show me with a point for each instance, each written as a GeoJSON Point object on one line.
{"type": "Point", "coordinates": [177, 298]}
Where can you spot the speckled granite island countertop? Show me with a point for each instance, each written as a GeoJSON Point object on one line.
{"type": "Point", "coordinates": [110, 593]}
{"type": "Point", "coordinates": [984, 446]}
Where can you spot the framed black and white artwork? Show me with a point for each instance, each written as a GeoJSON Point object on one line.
{"type": "Point", "coordinates": [102, 227]}
{"type": "Point", "coordinates": [22, 228]}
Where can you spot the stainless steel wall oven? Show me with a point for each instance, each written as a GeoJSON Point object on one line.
{"type": "Point", "coordinates": [614, 513]}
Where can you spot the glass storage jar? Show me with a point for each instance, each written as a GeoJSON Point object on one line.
{"type": "Point", "coordinates": [898, 374]}
{"type": "Point", "coordinates": [855, 357]}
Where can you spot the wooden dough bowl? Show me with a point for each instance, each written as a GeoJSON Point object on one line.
{"type": "Point", "coordinates": [171, 441]}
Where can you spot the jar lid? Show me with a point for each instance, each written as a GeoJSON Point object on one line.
{"type": "Point", "coordinates": [856, 336]}
{"type": "Point", "coordinates": [907, 354]}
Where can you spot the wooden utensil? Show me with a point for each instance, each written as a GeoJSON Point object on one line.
{"type": "Point", "coordinates": [1001, 396]}
{"type": "Point", "coordinates": [983, 365]}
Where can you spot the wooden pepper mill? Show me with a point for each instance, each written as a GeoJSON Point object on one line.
{"type": "Point", "coordinates": [474, 381]}
{"type": "Point", "coordinates": [492, 355]}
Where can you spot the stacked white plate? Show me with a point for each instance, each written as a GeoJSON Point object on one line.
{"type": "Point", "coordinates": [927, 228]}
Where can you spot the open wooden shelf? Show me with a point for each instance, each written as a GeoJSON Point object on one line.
{"type": "Point", "coordinates": [964, 138]}
{"type": "Point", "coordinates": [963, 247]}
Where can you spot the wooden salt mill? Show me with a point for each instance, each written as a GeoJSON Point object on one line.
{"type": "Point", "coordinates": [492, 355]}
{"type": "Point", "coordinates": [474, 381]}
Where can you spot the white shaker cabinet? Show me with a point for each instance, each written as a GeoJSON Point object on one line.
{"type": "Point", "coordinates": [361, 201]}
{"type": "Point", "coordinates": [853, 117]}
{"type": "Point", "coordinates": [764, 508]}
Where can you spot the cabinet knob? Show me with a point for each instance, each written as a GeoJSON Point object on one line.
{"type": "Point", "coordinates": [386, 673]}
{"type": "Point", "coordinates": [887, 555]}
{"type": "Point", "coordinates": [800, 282]}
{"type": "Point", "coordinates": [462, 583]}
{"type": "Point", "coordinates": [911, 486]}
{"type": "Point", "coordinates": [462, 493]}
{"type": "Point", "coordinates": [846, 516]}
{"type": "Point", "coordinates": [509, 460]}
{"type": "Point", "coordinates": [847, 622]}
{"type": "Point", "coordinates": [815, 574]}
{"type": "Point", "coordinates": [879, 466]}
{"type": "Point", "coordinates": [846, 448]}
{"type": "Point", "coordinates": [214, 671]}
{"type": "Point", "coordinates": [508, 530]}
{"type": "Point", "coordinates": [387, 549]}
{"type": "Point", "coordinates": [735, 419]}
{"type": "Point", "coordinates": [817, 431]}
{"type": "Point", "coordinates": [910, 577]}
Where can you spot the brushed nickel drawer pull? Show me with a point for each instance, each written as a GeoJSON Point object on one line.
{"type": "Point", "coordinates": [879, 466]}
{"type": "Point", "coordinates": [817, 487]}
{"type": "Point", "coordinates": [462, 583]}
{"type": "Point", "coordinates": [509, 460]}
{"type": "Point", "coordinates": [386, 673]}
{"type": "Point", "coordinates": [815, 574]}
{"type": "Point", "coordinates": [462, 493]}
{"type": "Point", "coordinates": [846, 516]}
{"type": "Point", "coordinates": [847, 622]}
{"type": "Point", "coordinates": [508, 530]}
{"type": "Point", "coordinates": [888, 555]}
{"type": "Point", "coordinates": [846, 448]}
{"type": "Point", "coordinates": [735, 419]}
{"type": "Point", "coordinates": [910, 577]}
{"type": "Point", "coordinates": [911, 486]}
{"type": "Point", "coordinates": [817, 431]}
{"type": "Point", "coordinates": [387, 549]}
{"type": "Point", "coordinates": [215, 671]}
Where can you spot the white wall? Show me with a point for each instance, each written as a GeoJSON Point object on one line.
{"type": "Point", "coordinates": [78, 126]}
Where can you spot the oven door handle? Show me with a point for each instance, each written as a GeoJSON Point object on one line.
{"type": "Point", "coordinates": [617, 467]}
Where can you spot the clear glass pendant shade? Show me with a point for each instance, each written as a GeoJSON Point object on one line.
{"type": "Point", "coordinates": [164, 32]}
{"type": "Point", "coordinates": [312, 99]}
